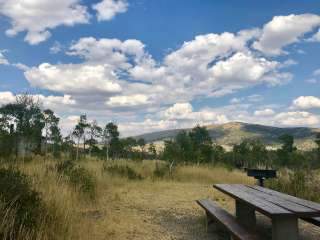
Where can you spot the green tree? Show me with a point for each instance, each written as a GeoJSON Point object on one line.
{"type": "Point", "coordinates": [52, 131]}
{"type": "Point", "coordinates": [184, 147]}
{"type": "Point", "coordinates": [287, 143]}
{"type": "Point", "coordinates": [287, 149]}
{"type": "Point", "coordinates": [95, 132]}
{"type": "Point", "coordinates": [79, 133]}
{"type": "Point", "coordinates": [202, 144]}
{"type": "Point", "coordinates": [26, 122]}
{"type": "Point", "coordinates": [111, 140]}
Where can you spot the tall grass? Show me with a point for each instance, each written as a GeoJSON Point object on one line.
{"type": "Point", "coordinates": [303, 183]}
{"type": "Point", "coordinates": [73, 217]}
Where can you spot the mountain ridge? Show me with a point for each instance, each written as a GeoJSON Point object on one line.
{"type": "Point", "coordinates": [232, 133]}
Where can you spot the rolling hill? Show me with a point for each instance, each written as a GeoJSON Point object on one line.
{"type": "Point", "coordinates": [233, 133]}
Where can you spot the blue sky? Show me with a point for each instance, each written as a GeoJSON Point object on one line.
{"type": "Point", "coordinates": [159, 64]}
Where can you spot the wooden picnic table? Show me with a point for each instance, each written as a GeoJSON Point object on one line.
{"type": "Point", "coordinates": [284, 210]}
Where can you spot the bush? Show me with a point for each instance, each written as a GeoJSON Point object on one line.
{"type": "Point", "coordinates": [124, 171]}
{"type": "Point", "coordinates": [18, 198]}
{"type": "Point", "coordinates": [160, 171]}
{"type": "Point", "coordinates": [79, 177]}
{"type": "Point", "coordinates": [65, 167]}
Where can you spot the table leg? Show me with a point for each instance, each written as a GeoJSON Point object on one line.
{"type": "Point", "coordinates": [245, 214]}
{"type": "Point", "coordinates": [285, 228]}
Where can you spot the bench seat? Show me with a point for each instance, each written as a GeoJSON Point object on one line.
{"type": "Point", "coordinates": [227, 220]}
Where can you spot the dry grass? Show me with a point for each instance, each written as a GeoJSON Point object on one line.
{"type": "Point", "coordinates": [128, 209]}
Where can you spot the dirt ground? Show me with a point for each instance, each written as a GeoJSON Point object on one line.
{"type": "Point", "coordinates": [164, 210]}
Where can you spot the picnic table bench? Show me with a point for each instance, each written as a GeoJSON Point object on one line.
{"type": "Point", "coordinates": [284, 211]}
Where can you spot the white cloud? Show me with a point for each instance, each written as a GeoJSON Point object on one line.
{"type": "Point", "coordinates": [3, 60]}
{"type": "Point", "coordinates": [315, 37]}
{"type": "Point", "coordinates": [297, 119]}
{"type": "Point", "coordinates": [107, 9]}
{"type": "Point", "coordinates": [109, 51]}
{"type": "Point", "coordinates": [6, 97]}
{"type": "Point", "coordinates": [307, 102]}
{"type": "Point", "coordinates": [128, 101]}
{"type": "Point", "coordinates": [284, 30]}
{"type": "Point", "coordinates": [73, 78]}
{"type": "Point", "coordinates": [38, 17]}
{"type": "Point", "coordinates": [20, 66]}
{"type": "Point", "coordinates": [179, 111]}
{"type": "Point", "coordinates": [56, 48]}
{"type": "Point", "coordinates": [265, 112]}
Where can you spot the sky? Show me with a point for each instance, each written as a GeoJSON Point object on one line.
{"type": "Point", "coordinates": [151, 65]}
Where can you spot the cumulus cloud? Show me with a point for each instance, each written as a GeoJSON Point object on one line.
{"type": "Point", "coordinates": [297, 119]}
{"type": "Point", "coordinates": [264, 112]}
{"type": "Point", "coordinates": [6, 97]}
{"type": "Point", "coordinates": [36, 18]}
{"type": "Point", "coordinates": [128, 101]}
{"type": "Point", "coordinates": [56, 103]}
{"type": "Point", "coordinates": [284, 30]}
{"type": "Point", "coordinates": [74, 78]}
{"type": "Point", "coordinates": [307, 102]}
{"type": "Point", "coordinates": [108, 9]}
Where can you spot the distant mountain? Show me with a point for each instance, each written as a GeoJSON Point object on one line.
{"type": "Point", "coordinates": [235, 132]}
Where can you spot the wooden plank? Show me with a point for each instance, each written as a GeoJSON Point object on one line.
{"type": "Point", "coordinates": [299, 210]}
{"type": "Point", "coordinates": [290, 198]}
{"type": "Point", "coordinates": [259, 204]}
{"type": "Point", "coordinates": [227, 220]}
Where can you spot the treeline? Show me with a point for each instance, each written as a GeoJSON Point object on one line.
{"type": "Point", "coordinates": [196, 146]}
{"type": "Point", "coordinates": [27, 129]}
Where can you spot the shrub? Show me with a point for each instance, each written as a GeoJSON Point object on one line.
{"type": "Point", "coordinates": [124, 171]}
{"type": "Point", "coordinates": [65, 166]}
{"type": "Point", "coordinates": [79, 177]}
{"type": "Point", "coordinates": [20, 200]}
{"type": "Point", "coordinates": [160, 170]}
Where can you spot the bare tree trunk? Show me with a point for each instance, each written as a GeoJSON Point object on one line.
{"type": "Point", "coordinates": [78, 145]}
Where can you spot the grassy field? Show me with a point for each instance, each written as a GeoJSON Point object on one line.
{"type": "Point", "coordinates": [148, 207]}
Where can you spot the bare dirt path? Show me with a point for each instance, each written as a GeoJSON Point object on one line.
{"type": "Point", "coordinates": [167, 210]}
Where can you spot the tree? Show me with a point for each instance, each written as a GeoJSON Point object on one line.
{"type": "Point", "coordinates": [79, 132]}
{"type": "Point", "coordinates": [26, 123]}
{"type": "Point", "coordinates": [287, 149]}
{"type": "Point", "coordinates": [127, 146]}
{"type": "Point", "coordinates": [317, 141]}
{"type": "Point", "coordinates": [52, 131]}
{"type": "Point", "coordinates": [111, 140]}
{"type": "Point", "coordinates": [287, 143]}
{"type": "Point", "coordinates": [95, 132]}
{"type": "Point", "coordinates": [184, 147]}
{"type": "Point", "coordinates": [202, 144]}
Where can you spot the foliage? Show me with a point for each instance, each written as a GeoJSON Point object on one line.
{"type": "Point", "coordinates": [79, 177]}
{"type": "Point", "coordinates": [16, 194]}
{"type": "Point", "coordinates": [123, 171]}
{"type": "Point", "coordinates": [161, 170]}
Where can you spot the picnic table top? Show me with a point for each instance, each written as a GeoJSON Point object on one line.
{"type": "Point", "coordinates": [270, 202]}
